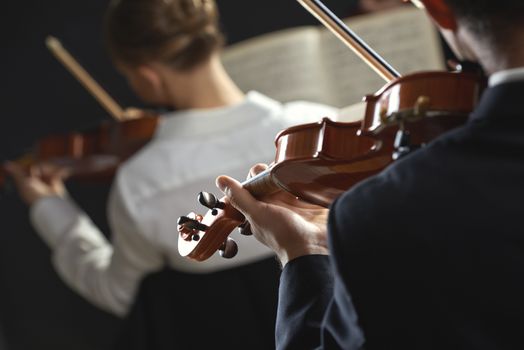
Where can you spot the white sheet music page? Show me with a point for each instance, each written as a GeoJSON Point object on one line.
{"type": "Point", "coordinates": [310, 63]}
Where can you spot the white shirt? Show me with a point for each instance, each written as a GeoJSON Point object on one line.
{"type": "Point", "coordinates": [155, 187]}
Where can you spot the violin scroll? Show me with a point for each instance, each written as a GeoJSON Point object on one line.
{"type": "Point", "coordinates": [200, 236]}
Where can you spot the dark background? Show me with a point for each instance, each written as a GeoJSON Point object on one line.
{"type": "Point", "coordinates": [38, 97]}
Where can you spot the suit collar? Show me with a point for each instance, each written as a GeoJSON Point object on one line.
{"type": "Point", "coordinates": [502, 100]}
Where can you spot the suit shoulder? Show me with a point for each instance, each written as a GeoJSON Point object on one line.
{"type": "Point", "coordinates": [383, 204]}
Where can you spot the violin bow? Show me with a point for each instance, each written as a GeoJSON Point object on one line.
{"type": "Point", "coordinates": [348, 37]}
{"type": "Point", "coordinates": [72, 65]}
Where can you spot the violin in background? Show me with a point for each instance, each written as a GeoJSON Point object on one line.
{"type": "Point", "coordinates": [317, 162]}
{"type": "Point", "coordinates": [95, 154]}
{"type": "Point", "coordinates": [91, 155]}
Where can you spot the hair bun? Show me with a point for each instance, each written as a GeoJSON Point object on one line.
{"type": "Point", "coordinates": [165, 30]}
{"type": "Point", "coordinates": [192, 16]}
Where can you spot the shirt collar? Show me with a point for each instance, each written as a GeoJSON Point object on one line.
{"type": "Point", "coordinates": [506, 76]}
{"type": "Point", "coordinates": [201, 122]}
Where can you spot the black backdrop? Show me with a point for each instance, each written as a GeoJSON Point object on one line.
{"type": "Point", "coordinates": [38, 97]}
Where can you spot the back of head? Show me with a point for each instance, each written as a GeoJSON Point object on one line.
{"type": "Point", "coordinates": [493, 20]}
{"type": "Point", "coordinates": [179, 33]}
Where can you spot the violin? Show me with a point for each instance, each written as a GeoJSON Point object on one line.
{"type": "Point", "coordinates": [317, 162]}
{"type": "Point", "coordinates": [95, 154]}
{"type": "Point", "coordinates": [92, 155]}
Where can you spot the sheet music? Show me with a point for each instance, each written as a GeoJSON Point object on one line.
{"type": "Point", "coordinates": [282, 65]}
{"type": "Point", "coordinates": [309, 63]}
{"type": "Point", "coordinates": [405, 37]}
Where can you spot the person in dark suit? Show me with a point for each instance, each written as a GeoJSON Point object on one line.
{"type": "Point", "coordinates": [429, 254]}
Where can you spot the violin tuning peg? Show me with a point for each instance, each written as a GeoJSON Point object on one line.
{"type": "Point", "coordinates": [191, 224]}
{"type": "Point", "coordinates": [210, 201]}
{"type": "Point", "coordinates": [207, 199]}
{"type": "Point", "coordinates": [183, 219]}
{"type": "Point", "coordinates": [245, 229]}
{"type": "Point", "coordinates": [228, 249]}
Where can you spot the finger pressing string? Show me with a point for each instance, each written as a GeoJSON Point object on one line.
{"type": "Point", "coordinates": [257, 169]}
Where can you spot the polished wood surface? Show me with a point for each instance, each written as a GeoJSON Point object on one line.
{"type": "Point", "coordinates": [92, 155]}
{"type": "Point", "coordinates": [433, 93]}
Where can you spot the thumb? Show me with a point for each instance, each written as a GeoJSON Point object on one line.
{"type": "Point", "coordinates": [239, 197]}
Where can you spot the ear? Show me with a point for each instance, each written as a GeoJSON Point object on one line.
{"type": "Point", "coordinates": [150, 76]}
{"type": "Point", "coordinates": [441, 14]}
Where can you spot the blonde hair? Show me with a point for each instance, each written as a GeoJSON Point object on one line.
{"type": "Point", "coordinates": [180, 33]}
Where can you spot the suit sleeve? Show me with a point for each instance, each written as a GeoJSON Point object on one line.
{"type": "Point", "coordinates": [315, 310]}
{"type": "Point", "coordinates": [306, 288]}
{"type": "Point", "coordinates": [320, 296]}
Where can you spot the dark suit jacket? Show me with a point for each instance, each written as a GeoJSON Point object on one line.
{"type": "Point", "coordinates": [431, 251]}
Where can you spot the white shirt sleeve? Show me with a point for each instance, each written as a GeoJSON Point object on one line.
{"type": "Point", "coordinates": [106, 274]}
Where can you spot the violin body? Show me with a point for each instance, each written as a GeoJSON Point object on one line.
{"type": "Point", "coordinates": [432, 98]}
{"type": "Point", "coordinates": [93, 155]}
{"type": "Point", "coordinates": [318, 162]}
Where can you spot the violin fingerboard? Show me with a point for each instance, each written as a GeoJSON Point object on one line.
{"type": "Point", "coordinates": [261, 185]}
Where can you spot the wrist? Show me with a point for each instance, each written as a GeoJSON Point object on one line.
{"type": "Point", "coordinates": [33, 201]}
{"type": "Point", "coordinates": [286, 255]}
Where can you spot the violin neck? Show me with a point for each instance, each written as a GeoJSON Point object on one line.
{"type": "Point", "coordinates": [261, 184]}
